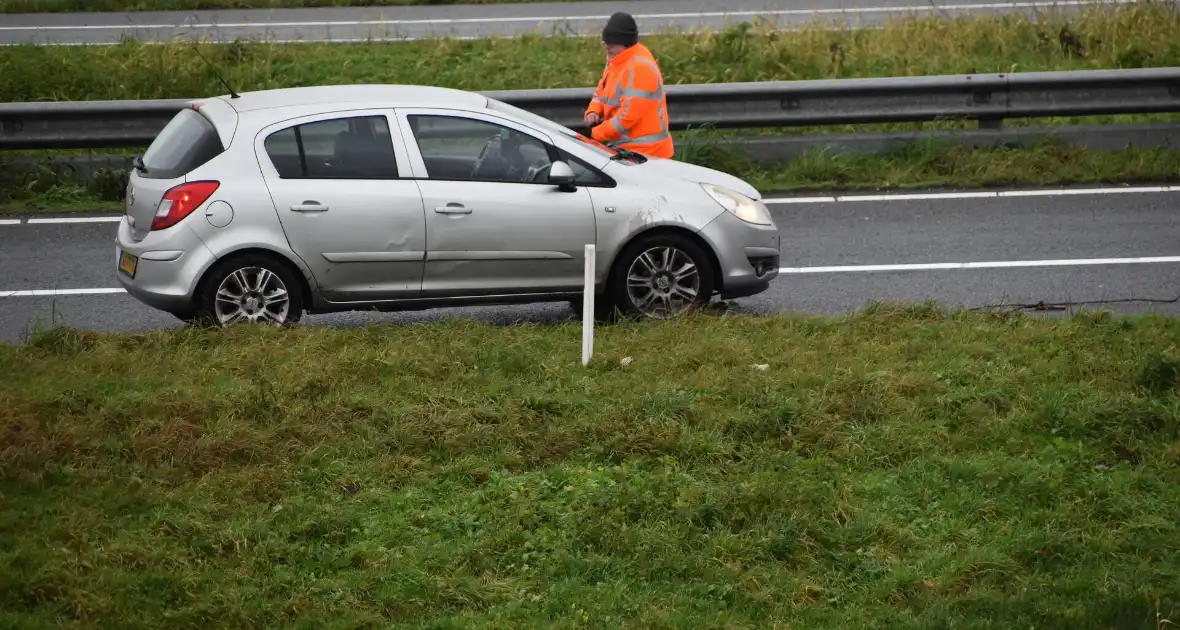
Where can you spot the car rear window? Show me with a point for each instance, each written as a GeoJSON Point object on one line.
{"type": "Point", "coordinates": [186, 142]}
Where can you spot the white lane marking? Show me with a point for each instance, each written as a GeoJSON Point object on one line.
{"type": "Point", "coordinates": [999, 264]}
{"type": "Point", "coordinates": [918, 196]}
{"type": "Point", "coordinates": [60, 220]}
{"type": "Point", "coordinates": [383, 38]}
{"type": "Point", "coordinates": [1039, 4]}
{"type": "Point", "coordinates": [1088, 191]}
{"type": "Point", "coordinates": [55, 220]}
{"type": "Point", "coordinates": [973, 195]}
{"type": "Point", "coordinates": [386, 38]}
{"type": "Point", "coordinates": [787, 200]}
{"type": "Point", "coordinates": [55, 292]}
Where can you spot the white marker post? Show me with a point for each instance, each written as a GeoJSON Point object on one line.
{"type": "Point", "coordinates": [588, 308]}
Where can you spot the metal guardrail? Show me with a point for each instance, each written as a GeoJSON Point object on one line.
{"type": "Point", "coordinates": [986, 98]}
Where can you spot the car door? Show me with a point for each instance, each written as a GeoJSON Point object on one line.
{"type": "Point", "coordinates": [335, 183]}
{"type": "Point", "coordinates": [492, 232]}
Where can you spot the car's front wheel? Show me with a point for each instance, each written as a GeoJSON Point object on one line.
{"type": "Point", "coordinates": [252, 288]}
{"type": "Point", "coordinates": [662, 276]}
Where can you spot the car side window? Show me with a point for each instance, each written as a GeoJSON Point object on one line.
{"type": "Point", "coordinates": [359, 147]}
{"type": "Point", "coordinates": [582, 174]}
{"type": "Point", "coordinates": [458, 148]}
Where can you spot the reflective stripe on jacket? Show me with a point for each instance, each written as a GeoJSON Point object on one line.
{"type": "Point", "coordinates": [630, 100]}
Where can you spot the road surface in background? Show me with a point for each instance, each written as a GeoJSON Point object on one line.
{"type": "Point", "coordinates": [477, 20]}
{"type": "Point", "coordinates": [839, 254]}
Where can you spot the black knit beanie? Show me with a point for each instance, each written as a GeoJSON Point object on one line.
{"type": "Point", "coordinates": [620, 29]}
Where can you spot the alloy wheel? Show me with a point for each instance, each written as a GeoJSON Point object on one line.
{"type": "Point", "coordinates": [663, 282]}
{"type": "Point", "coordinates": [253, 294]}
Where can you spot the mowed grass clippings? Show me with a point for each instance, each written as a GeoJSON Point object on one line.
{"type": "Point", "coordinates": [895, 468]}
{"type": "Point", "coordinates": [80, 6]}
{"type": "Point", "coordinates": [1127, 36]}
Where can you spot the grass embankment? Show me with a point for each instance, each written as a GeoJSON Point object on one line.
{"type": "Point", "coordinates": [891, 469]}
{"type": "Point", "coordinates": [82, 6]}
{"type": "Point", "coordinates": [1140, 35]}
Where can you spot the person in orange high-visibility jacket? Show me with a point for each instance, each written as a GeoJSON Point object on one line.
{"type": "Point", "coordinates": [629, 109]}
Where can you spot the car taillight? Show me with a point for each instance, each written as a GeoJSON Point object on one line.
{"type": "Point", "coordinates": [180, 201]}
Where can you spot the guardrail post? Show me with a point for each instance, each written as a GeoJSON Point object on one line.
{"type": "Point", "coordinates": [984, 97]}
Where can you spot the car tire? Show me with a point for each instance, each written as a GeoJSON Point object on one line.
{"type": "Point", "coordinates": [261, 274]}
{"type": "Point", "coordinates": [645, 258]}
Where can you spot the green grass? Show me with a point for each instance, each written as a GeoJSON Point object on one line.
{"type": "Point", "coordinates": [897, 468]}
{"type": "Point", "coordinates": [80, 6]}
{"type": "Point", "coordinates": [1130, 36]}
{"type": "Point", "coordinates": [926, 165]}
{"type": "Point", "coordinates": [1048, 163]}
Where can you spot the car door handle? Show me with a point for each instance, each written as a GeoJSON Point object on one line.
{"type": "Point", "coordinates": [453, 208]}
{"type": "Point", "coordinates": [309, 206]}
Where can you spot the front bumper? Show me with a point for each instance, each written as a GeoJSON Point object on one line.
{"type": "Point", "coordinates": [749, 255]}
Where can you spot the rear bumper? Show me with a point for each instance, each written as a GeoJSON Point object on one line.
{"type": "Point", "coordinates": [749, 255]}
{"type": "Point", "coordinates": [169, 266]}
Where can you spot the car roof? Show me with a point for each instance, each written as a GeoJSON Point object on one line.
{"type": "Point", "coordinates": [379, 95]}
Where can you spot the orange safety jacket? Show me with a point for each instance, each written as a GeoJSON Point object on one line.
{"type": "Point", "coordinates": [631, 103]}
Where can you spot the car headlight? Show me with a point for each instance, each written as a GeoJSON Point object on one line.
{"type": "Point", "coordinates": [740, 205]}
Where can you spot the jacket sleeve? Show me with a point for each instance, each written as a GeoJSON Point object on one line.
{"type": "Point", "coordinates": [638, 94]}
{"type": "Point", "coordinates": [597, 103]}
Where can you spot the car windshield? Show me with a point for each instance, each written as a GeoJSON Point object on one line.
{"type": "Point", "coordinates": [548, 125]}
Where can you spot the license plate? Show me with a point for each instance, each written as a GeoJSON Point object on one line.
{"type": "Point", "coordinates": [128, 263]}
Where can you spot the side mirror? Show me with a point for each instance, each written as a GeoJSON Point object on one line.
{"type": "Point", "coordinates": [561, 174]}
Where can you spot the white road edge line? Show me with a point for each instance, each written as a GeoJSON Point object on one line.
{"type": "Point", "coordinates": [56, 292]}
{"type": "Point", "coordinates": [973, 195]}
{"type": "Point", "coordinates": [381, 39]}
{"type": "Point", "coordinates": [1077, 262]}
{"type": "Point", "coordinates": [1039, 4]}
{"type": "Point", "coordinates": [57, 220]}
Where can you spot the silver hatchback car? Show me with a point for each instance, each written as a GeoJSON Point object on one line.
{"type": "Point", "coordinates": [269, 204]}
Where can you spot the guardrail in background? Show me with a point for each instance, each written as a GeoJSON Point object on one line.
{"type": "Point", "coordinates": [987, 98]}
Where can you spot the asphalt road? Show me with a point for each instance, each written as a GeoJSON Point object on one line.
{"type": "Point", "coordinates": [474, 21]}
{"type": "Point", "coordinates": [833, 255]}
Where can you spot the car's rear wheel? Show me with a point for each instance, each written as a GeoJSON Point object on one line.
{"type": "Point", "coordinates": [662, 276]}
{"type": "Point", "coordinates": [252, 288]}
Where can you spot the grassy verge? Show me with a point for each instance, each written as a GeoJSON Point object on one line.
{"type": "Point", "coordinates": [927, 165]}
{"type": "Point", "coordinates": [923, 166]}
{"type": "Point", "coordinates": [1139, 35]}
{"type": "Point", "coordinates": [898, 468]}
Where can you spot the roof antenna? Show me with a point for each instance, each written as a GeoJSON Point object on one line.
{"type": "Point", "coordinates": [232, 93]}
